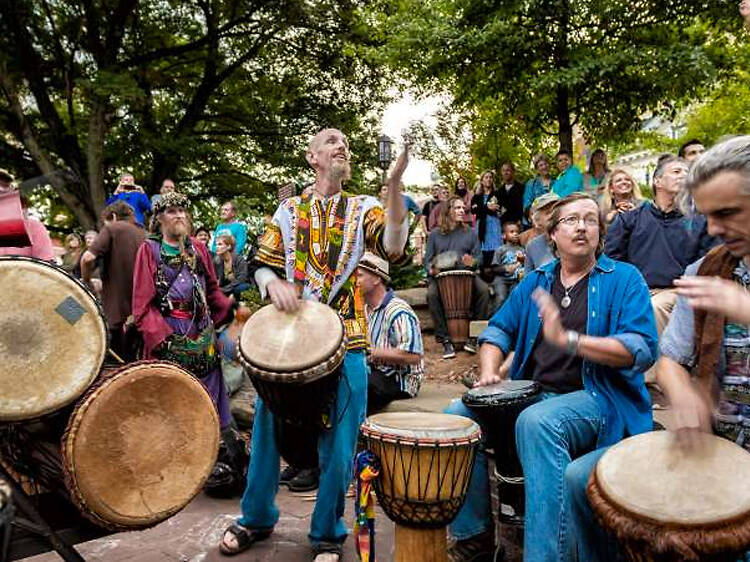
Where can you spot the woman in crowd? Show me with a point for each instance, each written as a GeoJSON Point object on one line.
{"type": "Point", "coordinates": [485, 208]}
{"type": "Point", "coordinates": [71, 259]}
{"type": "Point", "coordinates": [598, 169]}
{"type": "Point", "coordinates": [231, 269]}
{"type": "Point", "coordinates": [461, 189]}
{"type": "Point", "coordinates": [538, 185]}
{"type": "Point", "coordinates": [620, 194]}
{"type": "Point", "coordinates": [202, 234]}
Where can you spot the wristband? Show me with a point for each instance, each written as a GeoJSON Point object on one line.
{"type": "Point", "coordinates": [571, 345]}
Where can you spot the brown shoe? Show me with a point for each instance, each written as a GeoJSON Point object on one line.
{"type": "Point", "coordinates": [479, 548]}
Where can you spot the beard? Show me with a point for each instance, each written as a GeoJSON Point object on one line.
{"type": "Point", "coordinates": [340, 171]}
{"type": "Point", "coordinates": [177, 230]}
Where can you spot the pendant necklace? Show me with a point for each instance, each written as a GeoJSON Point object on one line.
{"type": "Point", "coordinates": [566, 300]}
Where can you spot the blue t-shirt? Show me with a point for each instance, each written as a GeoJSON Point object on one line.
{"type": "Point", "coordinates": [237, 230]}
{"type": "Point", "coordinates": [570, 181]}
{"type": "Point", "coordinates": [137, 200]}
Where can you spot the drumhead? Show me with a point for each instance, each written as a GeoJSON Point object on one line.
{"type": "Point", "coordinates": [421, 425]}
{"type": "Point", "coordinates": [651, 476]}
{"type": "Point", "coordinates": [53, 338]}
{"type": "Point", "coordinates": [291, 341]}
{"type": "Point", "coordinates": [140, 445]}
{"type": "Point", "coordinates": [455, 272]}
{"type": "Point", "coordinates": [506, 390]}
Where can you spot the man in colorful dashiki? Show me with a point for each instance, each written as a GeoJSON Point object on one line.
{"type": "Point", "coordinates": [395, 357]}
{"type": "Point", "coordinates": [310, 250]}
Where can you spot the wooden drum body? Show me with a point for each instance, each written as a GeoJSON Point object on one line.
{"type": "Point", "coordinates": [497, 408]}
{"type": "Point", "coordinates": [425, 467]}
{"type": "Point", "coordinates": [455, 289]}
{"type": "Point", "coordinates": [6, 518]}
{"type": "Point", "coordinates": [137, 448]}
{"type": "Point", "coordinates": [665, 503]}
{"type": "Point", "coordinates": [294, 361]}
{"type": "Point", "coordinates": [53, 338]}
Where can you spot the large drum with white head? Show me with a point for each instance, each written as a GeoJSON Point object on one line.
{"type": "Point", "coordinates": [53, 338]}
{"type": "Point", "coordinates": [668, 503]}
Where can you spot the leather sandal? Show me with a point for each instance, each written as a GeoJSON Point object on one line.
{"type": "Point", "coordinates": [245, 539]}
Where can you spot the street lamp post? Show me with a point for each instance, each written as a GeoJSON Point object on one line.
{"type": "Point", "coordinates": [385, 145]}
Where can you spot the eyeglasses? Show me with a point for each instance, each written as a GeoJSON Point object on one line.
{"type": "Point", "coordinates": [573, 220]}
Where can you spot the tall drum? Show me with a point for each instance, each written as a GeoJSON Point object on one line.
{"type": "Point", "coordinates": [497, 406]}
{"type": "Point", "coordinates": [294, 361]}
{"type": "Point", "coordinates": [455, 289]}
{"type": "Point", "coordinates": [425, 466]}
{"type": "Point", "coordinates": [667, 503]}
{"type": "Point", "coordinates": [137, 448]}
{"type": "Point", "coordinates": [53, 338]}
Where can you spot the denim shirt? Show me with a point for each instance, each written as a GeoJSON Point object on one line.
{"type": "Point", "coordinates": [619, 306]}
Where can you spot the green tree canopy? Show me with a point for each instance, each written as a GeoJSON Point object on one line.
{"type": "Point", "coordinates": [220, 95]}
{"type": "Point", "coordinates": [554, 64]}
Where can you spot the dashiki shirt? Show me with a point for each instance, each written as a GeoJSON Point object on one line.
{"type": "Point", "coordinates": [317, 242]}
{"type": "Point", "coordinates": [733, 416]}
{"type": "Point", "coordinates": [394, 325]}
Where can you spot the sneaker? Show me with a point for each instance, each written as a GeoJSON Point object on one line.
{"type": "Point", "coordinates": [471, 346]}
{"type": "Point", "coordinates": [305, 481]}
{"type": "Point", "coordinates": [288, 474]}
{"type": "Point", "coordinates": [479, 548]}
{"type": "Point", "coordinates": [448, 351]}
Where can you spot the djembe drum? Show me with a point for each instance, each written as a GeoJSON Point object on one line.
{"type": "Point", "coordinates": [137, 448]}
{"type": "Point", "coordinates": [455, 289]}
{"type": "Point", "coordinates": [666, 503]}
{"type": "Point", "coordinates": [497, 407]}
{"type": "Point", "coordinates": [6, 518]}
{"type": "Point", "coordinates": [53, 338]}
{"type": "Point", "coordinates": [425, 466]}
{"type": "Point", "coordinates": [294, 361]}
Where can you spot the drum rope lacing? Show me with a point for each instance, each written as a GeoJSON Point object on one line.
{"type": "Point", "coordinates": [451, 482]}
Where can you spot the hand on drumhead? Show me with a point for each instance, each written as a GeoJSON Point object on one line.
{"type": "Point", "coordinates": [552, 327]}
{"type": "Point", "coordinates": [283, 295]}
{"type": "Point", "coordinates": [691, 416]}
{"type": "Point", "coordinates": [716, 295]}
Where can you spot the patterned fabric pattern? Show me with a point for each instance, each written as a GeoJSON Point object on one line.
{"type": "Point", "coordinates": [356, 226]}
{"type": "Point", "coordinates": [394, 325]}
{"type": "Point", "coordinates": [733, 416]}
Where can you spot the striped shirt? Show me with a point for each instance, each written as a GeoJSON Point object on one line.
{"type": "Point", "coordinates": [393, 324]}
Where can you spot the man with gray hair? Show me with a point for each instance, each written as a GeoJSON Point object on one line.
{"type": "Point", "coordinates": [707, 328]}
{"type": "Point", "coordinates": [658, 238]}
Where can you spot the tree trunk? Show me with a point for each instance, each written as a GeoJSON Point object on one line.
{"type": "Point", "coordinates": [95, 155]}
{"type": "Point", "coordinates": [565, 128]}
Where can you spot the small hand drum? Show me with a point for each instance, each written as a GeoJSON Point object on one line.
{"type": "Point", "coordinates": [425, 466]}
{"type": "Point", "coordinates": [665, 503]}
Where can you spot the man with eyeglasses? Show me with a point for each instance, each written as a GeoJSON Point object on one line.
{"type": "Point", "coordinates": [581, 327]}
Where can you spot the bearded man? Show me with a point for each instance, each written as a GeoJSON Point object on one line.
{"type": "Point", "coordinates": [176, 305]}
{"type": "Point", "coordinates": [311, 250]}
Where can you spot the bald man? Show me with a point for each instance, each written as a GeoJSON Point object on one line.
{"type": "Point", "coordinates": [331, 223]}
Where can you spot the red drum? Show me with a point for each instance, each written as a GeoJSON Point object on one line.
{"type": "Point", "coordinates": [12, 228]}
{"type": "Point", "coordinates": [668, 504]}
{"type": "Point", "coordinates": [455, 289]}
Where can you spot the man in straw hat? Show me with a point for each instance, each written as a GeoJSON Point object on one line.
{"type": "Point", "coordinates": [311, 250]}
{"type": "Point", "coordinates": [395, 358]}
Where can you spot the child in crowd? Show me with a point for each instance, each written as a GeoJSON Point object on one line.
{"type": "Point", "coordinates": [507, 263]}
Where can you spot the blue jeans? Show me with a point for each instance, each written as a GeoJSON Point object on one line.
{"type": "Point", "coordinates": [549, 435]}
{"type": "Point", "coordinates": [336, 448]}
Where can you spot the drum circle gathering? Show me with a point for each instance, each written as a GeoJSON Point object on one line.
{"type": "Point", "coordinates": [126, 415]}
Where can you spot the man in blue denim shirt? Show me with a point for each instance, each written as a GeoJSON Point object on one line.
{"type": "Point", "coordinates": [583, 327]}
